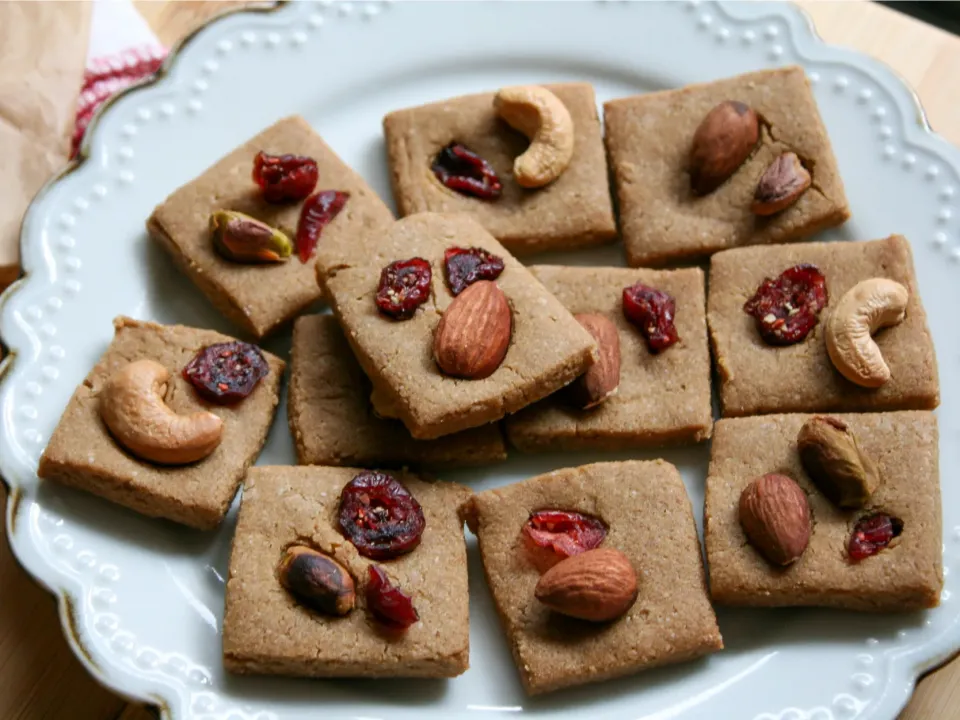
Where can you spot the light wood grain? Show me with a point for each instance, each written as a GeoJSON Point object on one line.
{"type": "Point", "coordinates": [38, 676]}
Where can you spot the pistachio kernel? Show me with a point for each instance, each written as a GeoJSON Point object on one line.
{"type": "Point", "coordinates": [834, 461]}
{"type": "Point", "coordinates": [317, 581]}
{"type": "Point", "coordinates": [244, 239]}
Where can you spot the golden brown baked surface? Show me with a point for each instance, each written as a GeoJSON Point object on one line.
{"type": "Point", "coordinates": [548, 348]}
{"type": "Point", "coordinates": [266, 632]}
{"type": "Point", "coordinates": [261, 298]}
{"type": "Point", "coordinates": [662, 398]}
{"type": "Point", "coordinates": [576, 210]}
{"type": "Point", "coordinates": [907, 576]}
{"type": "Point", "coordinates": [82, 454]}
{"type": "Point", "coordinates": [332, 421]}
{"type": "Point", "coordinates": [650, 519]}
{"type": "Point", "coordinates": [757, 378]}
{"type": "Point", "coordinates": [648, 139]}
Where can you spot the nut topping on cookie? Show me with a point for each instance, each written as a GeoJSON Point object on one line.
{"type": "Point", "coordinates": [545, 120]}
{"type": "Point", "coordinates": [597, 585]}
{"type": "Point", "coordinates": [786, 308]}
{"type": "Point", "coordinates": [834, 461]}
{"type": "Point", "coordinates": [721, 144]}
{"type": "Point", "coordinates": [602, 378]}
{"type": "Point", "coordinates": [464, 266]}
{"type": "Point", "coordinates": [317, 580]}
{"type": "Point", "coordinates": [284, 178]}
{"type": "Point", "coordinates": [380, 516]}
{"type": "Point", "coordinates": [652, 311]}
{"type": "Point", "coordinates": [775, 517]}
{"type": "Point", "coordinates": [404, 286]}
{"type": "Point", "coordinates": [388, 604]}
{"type": "Point", "coordinates": [474, 333]}
{"type": "Point", "coordinates": [463, 171]}
{"type": "Point", "coordinates": [241, 238]}
{"type": "Point", "coordinates": [781, 185]}
{"type": "Point", "coordinates": [317, 212]}
{"type": "Point", "coordinates": [226, 373]}
{"type": "Point", "coordinates": [872, 534]}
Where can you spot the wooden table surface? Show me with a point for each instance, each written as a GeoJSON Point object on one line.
{"type": "Point", "coordinates": [39, 678]}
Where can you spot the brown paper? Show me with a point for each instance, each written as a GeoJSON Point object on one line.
{"type": "Point", "coordinates": [43, 50]}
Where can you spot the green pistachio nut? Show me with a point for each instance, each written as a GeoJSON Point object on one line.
{"type": "Point", "coordinates": [244, 239]}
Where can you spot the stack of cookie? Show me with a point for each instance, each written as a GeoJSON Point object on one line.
{"type": "Point", "coordinates": [445, 345]}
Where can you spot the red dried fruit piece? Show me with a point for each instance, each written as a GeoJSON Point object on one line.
{"type": "Point", "coordinates": [284, 178]}
{"type": "Point", "coordinates": [786, 308]}
{"type": "Point", "coordinates": [388, 603]}
{"type": "Point", "coordinates": [462, 170]}
{"type": "Point", "coordinates": [318, 211]}
{"type": "Point", "coordinates": [226, 373]}
{"type": "Point", "coordinates": [380, 516]}
{"type": "Point", "coordinates": [404, 286]}
{"type": "Point", "coordinates": [565, 533]}
{"type": "Point", "coordinates": [872, 534]}
{"type": "Point", "coordinates": [467, 265]}
{"type": "Point", "coordinates": [652, 311]}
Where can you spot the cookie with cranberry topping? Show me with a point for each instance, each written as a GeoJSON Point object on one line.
{"type": "Point", "coordinates": [411, 617]}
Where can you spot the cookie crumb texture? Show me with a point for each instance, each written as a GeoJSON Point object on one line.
{"type": "Point", "coordinates": [265, 632]}
{"type": "Point", "coordinates": [573, 211]}
{"type": "Point", "coordinates": [82, 453]}
{"type": "Point", "coordinates": [650, 519]}
{"type": "Point", "coordinates": [662, 399]}
{"type": "Point", "coordinates": [757, 378]}
{"type": "Point", "coordinates": [907, 576]}
{"type": "Point", "coordinates": [648, 139]}
{"type": "Point", "coordinates": [257, 298]}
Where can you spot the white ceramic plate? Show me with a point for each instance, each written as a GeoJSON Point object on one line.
{"type": "Point", "coordinates": [141, 601]}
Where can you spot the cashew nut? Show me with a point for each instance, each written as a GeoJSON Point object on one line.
{"type": "Point", "coordinates": [542, 117]}
{"type": "Point", "coordinates": [133, 408]}
{"type": "Point", "coordinates": [865, 308]}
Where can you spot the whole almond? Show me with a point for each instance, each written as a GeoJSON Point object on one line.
{"type": "Point", "coordinates": [775, 516]}
{"type": "Point", "coordinates": [602, 379]}
{"type": "Point", "coordinates": [781, 185]}
{"type": "Point", "coordinates": [597, 585]}
{"type": "Point", "coordinates": [474, 333]}
{"type": "Point", "coordinates": [722, 142]}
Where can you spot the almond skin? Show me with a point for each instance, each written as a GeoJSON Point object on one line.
{"type": "Point", "coordinates": [721, 144]}
{"type": "Point", "coordinates": [775, 516]}
{"type": "Point", "coordinates": [474, 333]}
{"type": "Point", "coordinates": [603, 378]}
{"type": "Point", "coordinates": [597, 585]}
{"type": "Point", "coordinates": [781, 185]}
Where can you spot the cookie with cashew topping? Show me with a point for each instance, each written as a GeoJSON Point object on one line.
{"type": "Point", "coordinates": [865, 308]}
{"type": "Point", "coordinates": [132, 406]}
{"type": "Point", "coordinates": [542, 117]}
{"type": "Point", "coordinates": [138, 434]}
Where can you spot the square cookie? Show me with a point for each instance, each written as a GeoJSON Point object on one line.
{"type": "Point", "coordinates": [83, 454]}
{"type": "Point", "coordinates": [662, 398]}
{"type": "Point", "coordinates": [548, 348]}
{"type": "Point", "coordinates": [259, 298]}
{"type": "Point", "coordinates": [904, 576]}
{"type": "Point", "coordinates": [759, 378]}
{"type": "Point", "coordinates": [332, 421]}
{"type": "Point", "coordinates": [265, 631]}
{"type": "Point", "coordinates": [648, 140]}
{"type": "Point", "coordinates": [576, 210]}
{"type": "Point", "coordinates": [649, 518]}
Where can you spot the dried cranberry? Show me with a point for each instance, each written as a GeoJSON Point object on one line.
{"type": "Point", "coordinates": [284, 177]}
{"type": "Point", "coordinates": [786, 308]}
{"type": "Point", "coordinates": [404, 286]}
{"type": "Point", "coordinates": [318, 211]}
{"type": "Point", "coordinates": [226, 373]}
{"type": "Point", "coordinates": [467, 265]}
{"type": "Point", "coordinates": [462, 170]}
{"type": "Point", "coordinates": [872, 534]}
{"type": "Point", "coordinates": [380, 516]}
{"type": "Point", "coordinates": [652, 312]}
{"type": "Point", "coordinates": [388, 603]}
{"type": "Point", "coordinates": [565, 533]}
